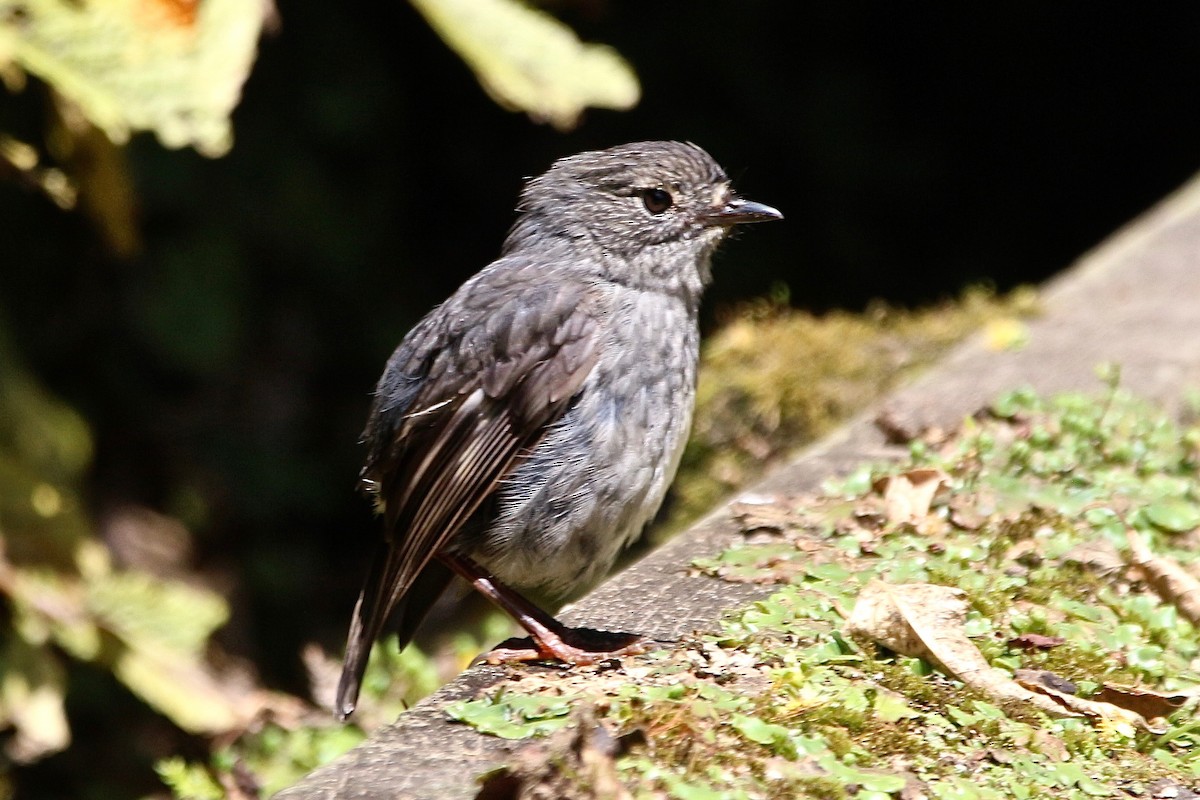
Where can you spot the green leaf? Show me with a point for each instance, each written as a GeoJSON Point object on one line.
{"type": "Point", "coordinates": [1009, 405]}
{"type": "Point", "coordinates": [892, 707]}
{"type": "Point", "coordinates": [188, 781]}
{"type": "Point", "coordinates": [529, 61]}
{"type": "Point", "coordinates": [36, 428]}
{"type": "Point", "coordinates": [1176, 516]}
{"type": "Point", "coordinates": [768, 734]}
{"type": "Point", "coordinates": [961, 718]}
{"type": "Point", "coordinates": [512, 716]}
{"type": "Point", "coordinates": [874, 782]}
{"type": "Point", "coordinates": [693, 791]}
{"type": "Point", "coordinates": [280, 756]}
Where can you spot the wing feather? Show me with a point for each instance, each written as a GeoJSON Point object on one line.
{"type": "Point", "coordinates": [440, 450]}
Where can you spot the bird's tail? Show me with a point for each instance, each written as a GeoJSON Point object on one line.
{"type": "Point", "coordinates": [378, 602]}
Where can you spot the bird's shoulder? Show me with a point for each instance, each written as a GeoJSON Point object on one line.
{"type": "Point", "coordinates": [523, 331]}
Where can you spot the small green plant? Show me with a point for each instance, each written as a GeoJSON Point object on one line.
{"type": "Point", "coordinates": [1037, 499]}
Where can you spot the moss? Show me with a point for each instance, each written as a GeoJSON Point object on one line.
{"type": "Point", "coordinates": [773, 379]}
{"type": "Point", "coordinates": [822, 788]}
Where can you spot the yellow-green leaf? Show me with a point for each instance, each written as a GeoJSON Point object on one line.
{"type": "Point", "coordinates": [32, 686]}
{"type": "Point", "coordinates": [529, 61]}
{"type": "Point", "coordinates": [148, 612]}
{"type": "Point", "coordinates": [180, 687]}
{"type": "Point", "coordinates": [164, 627]}
{"type": "Point", "coordinates": [174, 68]}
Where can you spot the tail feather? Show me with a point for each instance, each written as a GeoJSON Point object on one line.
{"type": "Point", "coordinates": [377, 603]}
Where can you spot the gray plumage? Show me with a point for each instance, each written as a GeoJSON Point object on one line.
{"type": "Point", "coordinates": [534, 421]}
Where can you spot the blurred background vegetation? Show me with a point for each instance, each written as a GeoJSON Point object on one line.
{"type": "Point", "coordinates": [202, 279]}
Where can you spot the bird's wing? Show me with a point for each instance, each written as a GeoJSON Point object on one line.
{"type": "Point", "coordinates": [454, 412]}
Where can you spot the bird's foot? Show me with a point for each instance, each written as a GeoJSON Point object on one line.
{"type": "Point", "coordinates": [578, 647]}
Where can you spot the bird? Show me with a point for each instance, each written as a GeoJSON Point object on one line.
{"type": "Point", "coordinates": [527, 429]}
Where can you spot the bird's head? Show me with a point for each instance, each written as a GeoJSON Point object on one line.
{"type": "Point", "coordinates": [652, 209]}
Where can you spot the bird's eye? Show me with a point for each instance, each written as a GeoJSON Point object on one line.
{"type": "Point", "coordinates": [657, 200]}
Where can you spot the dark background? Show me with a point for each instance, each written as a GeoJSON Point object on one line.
{"type": "Point", "coordinates": [225, 369]}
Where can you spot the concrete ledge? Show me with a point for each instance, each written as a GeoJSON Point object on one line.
{"type": "Point", "coordinates": [1135, 300]}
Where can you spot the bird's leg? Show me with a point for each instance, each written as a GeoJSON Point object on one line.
{"type": "Point", "coordinates": [551, 639]}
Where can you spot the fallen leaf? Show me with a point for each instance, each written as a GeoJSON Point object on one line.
{"type": "Point", "coordinates": [1062, 692]}
{"type": "Point", "coordinates": [1167, 577]}
{"type": "Point", "coordinates": [1168, 789]}
{"type": "Point", "coordinates": [771, 515]}
{"type": "Point", "coordinates": [1098, 555]}
{"type": "Point", "coordinates": [1148, 703]}
{"type": "Point", "coordinates": [965, 514]}
{"type": "Point", "coordinates": [1035, 641]}
{"type": "Point", "coordinates": [926, 621]}
{"type": "Point", "coordinates": [777, 768]}
{"type": "Point", "coordinates": [998, 756]}
{"type": "Point", "coordinates": [324, 671]}
{"type": "Point", "coordinates": [908, 496]}
{"type": "Point", "coordinates": [1049, 745]}
{"type": "Point", "coordinates": [869, 515]}
{"type": "Point", "coordinates": [1025, 553]}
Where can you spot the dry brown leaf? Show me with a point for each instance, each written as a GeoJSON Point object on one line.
{"type": "Point", "coordinates": [901, 428]}
{"type": "Point", "coordinates": [1049, 745]}
{"type": "Point", "coordinates": [866, 519]}
{"type": "Point", "coordinates": [1035, 641]}
{"type": "Point", "coordinates": [805, 767]}
{"type": "Point", "coordinates": [895, 428]}
{"type": "Point", "coordinates": [143, 539]}
{"type": "Point", "coordinates": [323, 673]}
{"type": "Point", "coordinates": [926, 621]}
{"type": "Point", "coordinates": [1062, 692]}
{"type": "Point", "coordinates": [1154, 706]}
{"type": "Point", "coordinates": [908, 496]}
{"type": "Point", "coordinates": [1167, 577]}
{"type": "Point", "coordinates": [771, 514]}
{"type": "Point", "coordinates": [1025, 552]}
{"type": "Point", "coordinates": [1099, 556]}
{"type": "Point", "coordinates": [965, 513]}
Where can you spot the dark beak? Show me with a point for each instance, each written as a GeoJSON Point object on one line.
{"type": "Point", "coordinates": [736, 211]}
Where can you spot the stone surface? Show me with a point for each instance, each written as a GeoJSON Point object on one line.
{"type": "Point", "coordinates": [1135, 301]}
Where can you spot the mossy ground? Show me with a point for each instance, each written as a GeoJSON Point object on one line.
{"type": "Point", "coordinates": [780, 704]}
{"type": "Point", "coordinates": [1032, 524]}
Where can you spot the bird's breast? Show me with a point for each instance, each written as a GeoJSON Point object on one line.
{"type": "Point", "coordinates": [600, 473]}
